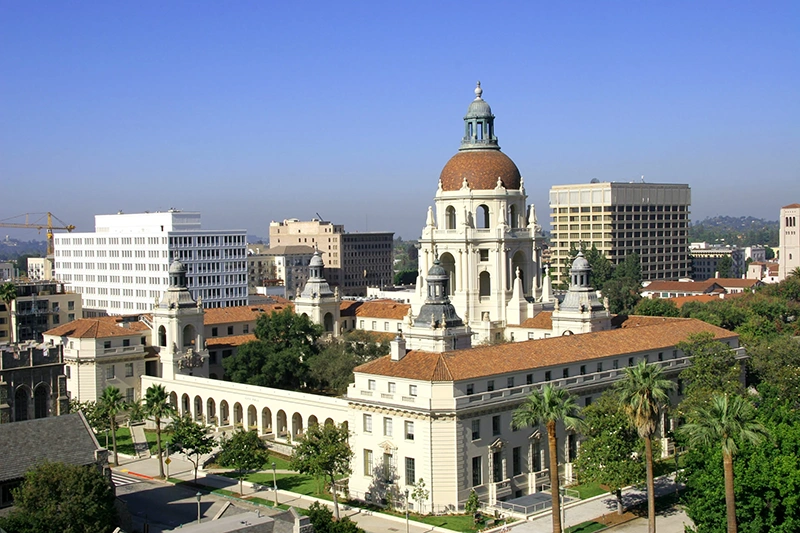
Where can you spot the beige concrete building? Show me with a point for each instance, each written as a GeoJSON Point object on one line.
{"type": "Point", "coordinates": [650, 219]}
{"type": "Point", "coordinates": [789, 254]}
{"type": "Point", "coordinates": [282, 266]}
{"type": "Point", "coordinates": [40, 268]}
{"type": "Point", "coordinates": [353, 261]}
{"type": "Point", "coordinates": [706, 260]}
{"type": "Point", "coordinates": [39, 306]}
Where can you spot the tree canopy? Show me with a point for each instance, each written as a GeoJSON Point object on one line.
{"type": "Point", "coordinates": [192, 440]}
{"type": "Point", "coordinates": [324, 451]}
{"type": "Point", "coordinates": [714, 369]}
{"type": "Point", "coordinates": [279, 357]}
{"type": "Point", "coordinates": [243, 451]}
{"type": "Point", "coordinates": [64, 498]}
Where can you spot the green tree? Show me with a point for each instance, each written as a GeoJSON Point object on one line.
{"type": "Point", "coordinates": [548, 407]}
{"type": "Point", "coordinates": [776, 361]}
{"type": "Point", "coordinates": [629, 269]}
{"type": "Point", "coordinates": [156, 405]}
{"type": "Point", "coordinates": [321, 518]}
{"type": "Point", "coordinates": [714, 369]}
{"type": "Point", "coordinates": [112, 403]}
{"type": "Point", "coordinates": [332, 368]}
{"type": "Point", "coordinates": [622, 294]}
{"type": "Point", "coordinates": [192, 440]}
{"type": "Point", "coordinates": [243, 451]}
{"type": "Point", "coordinates": [656, 307]}
{"type": "Point", "coordinates": [63, 498]}
{"type": "Point", "coordinates": [473, 503]}
{"type": "Point", "coordinates": [724, 266]}
{"type": "Point", "coordinates": [611, 450]}
{"type": "Point", "coordinates": [420, 494]}
{"type": "Point", "coordinates": [643, 393]}
{"type": "Point", "coordinates": [8, 293]}
{"type": "Point", "coordinates": [725, 421]}
{"type": "Point", "coordinates": [93, 413]}
{"type": "Point", "coordinates": [766, 475]}
{"type": "Point", "coordinates": [324, 451]}
{"type": "Point", "coordinates": [284, 330]}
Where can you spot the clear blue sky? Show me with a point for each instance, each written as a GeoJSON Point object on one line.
{"type": "Point", "coordinates": [256, 111]}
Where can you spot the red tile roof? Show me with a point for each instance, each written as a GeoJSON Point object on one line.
{"type": "Point", "coordinates": [242, 313]}
{"type": "Point", "coordinates": [791, 206]}
{"type": "Point", "coordinates": [375, 309]}
{"type": "Point", "coordinates": [543, 320]}
{"type": "Point", "coordinates": [100, 327]}
{"type": "Point", "coordinates": [486, 361]}
{"type": "Point", "coordinates": [232, 340]}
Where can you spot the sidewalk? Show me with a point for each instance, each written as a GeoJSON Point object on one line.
{"type": "Point", "coordinates": [585, 510]}
{"type": "Point", "coordinates": [184, 470]}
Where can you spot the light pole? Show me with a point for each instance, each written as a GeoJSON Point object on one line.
{"type": "Point", "coordinates": [168, 461]}
{"type": "Point", "coordinates": [198, 496]}
{"type": "Point", "coordinates": [406, 510]}
{"type": "Point", "coordinates": [563, 491]}
{"type": "Point", "coordinates": [275, 484]}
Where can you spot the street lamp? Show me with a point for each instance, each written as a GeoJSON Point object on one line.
{"type": "Point", "coordinates": [406, 510]}
{"type": "Point", "coordinates": [275, 484]}
{"type": "Point", "coordinates": [168, 461]}
{"type": "Point", "coordinates": [198, 496]}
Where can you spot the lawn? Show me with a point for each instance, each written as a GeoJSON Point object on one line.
{"type": "Point", "coordinates": [125, 443]}
{"type": "Point", "coordinates": [586, 527]}
{"type": "Point", "coordinates": [588, 490]}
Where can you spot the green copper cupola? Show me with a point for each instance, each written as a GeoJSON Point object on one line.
{"type": "Point", "coordinates": [479, 125]}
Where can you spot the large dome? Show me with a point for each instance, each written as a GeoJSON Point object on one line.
{"type": "Point", "coordinates": [481, 168]}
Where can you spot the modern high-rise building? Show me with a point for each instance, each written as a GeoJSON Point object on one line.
{"type": "Point", "coordinates": [122, 267]}
{"type": "Point", "coordinates": [353, 261]}
{"type": "Point", "coordinates": [789, 256]}
{"type": "Point", "coordinates": [650, 219]}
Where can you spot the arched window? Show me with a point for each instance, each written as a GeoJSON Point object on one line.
{"type": "Point", "coordinates": [518, 262]}
{"type": "Point", "coordinates": [450, 217]}
{"type": "Point", "coordinates": [448, 263]}
{"type": "Point", "coordinates": [41, 397]}
{"type": "Point", "coordinates": [485, 284]}
{"type": "Point", "coordinates": [482, 217]}
{"type": "Point", "coordinates": [188, 335]}
{"type": "Point", "coordinates": [328, 320]}
{"type": "Point", "coordinates": [513, 217]}
{"type": "Point", "coordinates": [21, 401]}
{"type": "Point", "coordinates": [162, 336]}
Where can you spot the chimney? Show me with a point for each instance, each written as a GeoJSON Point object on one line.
{"type": "Point", "coordinates": [398, 348]}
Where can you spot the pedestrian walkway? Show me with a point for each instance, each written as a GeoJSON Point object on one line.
{"type": "Point", "coordinates": [119, 479]}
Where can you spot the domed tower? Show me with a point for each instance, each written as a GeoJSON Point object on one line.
{"type": "Point", "coordinates": [581, 310]}
{"type": "Point", "coordinates": [437, 327]}
{"type": "Point", "coordinates": [178, 328]}
{"type": "Point", "coordinates": [317, 301]}
{"type": "Point", "coordinates": [481, 232]}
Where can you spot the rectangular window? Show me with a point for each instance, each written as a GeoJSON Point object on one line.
{"type": "Point", "coordinates": [529, 379]}
{"type": "Point", "coordinates": [392, 387]}
{"type": "Point", "coordinates": [547, 376]}
{"type": "Point", "coordinates": [409, 426]}
{"type": "Point", "coordinates": [367, 462]}
{"type": "Point", "coordinates": [411, 471]}
{"type": "Point", "coordinates": [129, 395]}
{"type": "Point", "coordinates": [583, 370]}
{"type": "Point", "coordinates": [630, 361]}
{"type": "Point", "coordinates": [484, 255]}
{"type": "Point", "coordinates": [599, 367]}
{"type": "Point", "coordinates": [214, 332]}
{"type": "Point", "coordinates": [70, 306]}
{"type": "Point", "coordinates": [412, 390]}
{"type": "Point", "coordinates": [128, 370]}
{"type": "Point", "coordinates": [616, 364]}
{"type": "Point", "coordinates": [367, 423]}
{"type": "Point", "coordinates": [387, 427]}
{"type": "Point", "coordinates": [470, 389]}
{"type": "Point", "coordinates": [246, 328]}
{"type": "Point", "coordinates": [126, 342]}
{"type": "Point", "coordinates": [496, 425]}
{"type": "Point", "coordinates": [388, 463]}
{"type": "Point", "coordinates": [371, 384]}
{"type": "Point", "coordinates": [110, 372]}
{"type": "Point", "coordinates": [106, 344]}
{"type": "Point", "coordinates": [212, 358]}
{"type": "Point", "coordinates": [565, 373]}
{"type": "Point", "coordinates": [497, 467]}
{"type": "Point", "coordinates": [476, 429]}
{"type": "Point", "coordinates": [588, 401]}
{"type": "Point", "coordinates": [490, 385]}
{"type": "Point", "coordinates": [660, 356]}
{"type": "Point", "coordinates": [477, 474]}
{"type": "Point", "coordinates": [510, 382]}
{"type": "Point", "coordinates": [516, 460]}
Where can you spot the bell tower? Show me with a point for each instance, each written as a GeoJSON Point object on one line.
{"type": "Point", "coordinates": [317, 301]}
{"type": "Point", "coordinates": [178, 328]}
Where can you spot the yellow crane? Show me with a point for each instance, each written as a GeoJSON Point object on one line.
{"type": "Point", "coordinates": [45, 221]}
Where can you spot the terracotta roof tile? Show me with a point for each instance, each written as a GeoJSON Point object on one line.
{"type": "Point", "coordinates": [100, 327]}
{"type": "Point", "coordinates": [737, 282]}
{"type": "Point", "coordinates": [242, 313]}
{"type": "Point", "coordinates": [543, 320]}
{"type": "Point", "coordinates": [232, 340]}
{"type": "Point", "coordinates": [375, 309]}
{"type": "Point", "coordinates": [791, 206]}
{"type": "Point", "coordinates": [486, 361]}
{"type": "Point", "coordinates": [681, 286]}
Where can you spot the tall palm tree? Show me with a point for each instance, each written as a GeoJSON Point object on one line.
{"type": "Point", "coordinates": [156, 404]}
{"type": "Point", "coordinates": [8, 293]}
{"type": "Point", "coordinates": [643, 392]}
{"type": "Point", "coordinates": [726, 420]}
{"type": "Point", "coordinates": [112, 403]}
{"type": "Point", "coordinates": [548, 407]}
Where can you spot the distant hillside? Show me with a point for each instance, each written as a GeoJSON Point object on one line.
{"type": "Point", "coordinates": [739, 231]}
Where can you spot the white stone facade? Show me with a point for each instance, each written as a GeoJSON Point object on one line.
{"type": "Point", "coordinates": [789, 251]}
{"type": "Point", "coordinates": [121, 268]}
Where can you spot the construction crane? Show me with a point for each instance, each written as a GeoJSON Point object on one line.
{"type": "Point", "coordinates": [45, 221]}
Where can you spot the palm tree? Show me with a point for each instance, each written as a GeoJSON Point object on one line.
{"type": "Point", "coordinates": [112, 403]}
{"type": "Point", "coordinates": [726, 420]}
{"type": "Point", "coordinates": [8, 293]}
{"type": "Point", "coordinates": [157, 405]}
{"type": "Point", "coordinates": [548, 407]}
{"type": "Point", "coordinates": [643, 392]}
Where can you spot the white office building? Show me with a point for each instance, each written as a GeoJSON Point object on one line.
{"type": "Point", "coordinates": [122, 267]}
